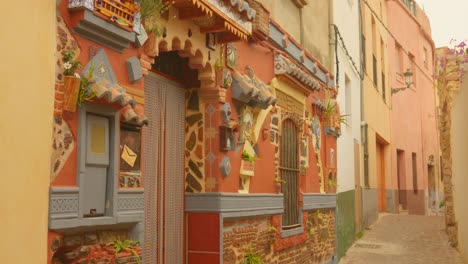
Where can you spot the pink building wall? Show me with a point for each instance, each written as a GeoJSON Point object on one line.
{"type": "Point", "coordinates": [414, 116]}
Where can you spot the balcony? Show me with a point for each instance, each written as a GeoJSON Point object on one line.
{"type": "Point", "coordinates": [120, 13]}
{"type": "Point", "coordinates": [111, 23]}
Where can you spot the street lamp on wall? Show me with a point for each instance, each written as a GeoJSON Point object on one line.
{"type": "Point", "coordinates": [408, 81]}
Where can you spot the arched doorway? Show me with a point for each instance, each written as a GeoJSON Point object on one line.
{"type": "Point", "coordinates": [165, 91]}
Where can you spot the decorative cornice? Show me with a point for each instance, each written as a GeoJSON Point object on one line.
{"type": "Point", "coordinates": [280, 38]}
{"type": "Point", "coordinates": [249, 89]}
{"type": "Point", "coordinates": [282, 65]}
{"type": "Point", "coordinates": [317, 201]}
{"type": "Point", "coordinates": [234, 204]}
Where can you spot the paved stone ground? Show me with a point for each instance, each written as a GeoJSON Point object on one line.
{"type": "Point", "coordinates": [404, 239]}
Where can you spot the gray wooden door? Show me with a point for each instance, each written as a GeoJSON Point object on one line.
{"type": "Point", "coordinates": [164, 171]}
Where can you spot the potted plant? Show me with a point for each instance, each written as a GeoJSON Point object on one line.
{"type": "Point", "coordinates": [303, 167]}
{"type": "Point", "coordinates": [151, 12]}
{"type": "Point", "coordinates": [71, 80]}
{"type": "Point", "coordinates": [247, 164]}
{"type": "Point", "coordinates": [332, 186]}
{"type": "Point", "coordinates": [126, 247]}
{"type": "Point", "coordinates": [278, 182]}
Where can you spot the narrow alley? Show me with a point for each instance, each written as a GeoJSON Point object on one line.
{"type": "Point", "coordinates": [404, 239]}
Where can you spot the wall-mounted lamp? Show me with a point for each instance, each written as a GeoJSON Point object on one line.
{"type": "Point", "coordinates": [408, 81]}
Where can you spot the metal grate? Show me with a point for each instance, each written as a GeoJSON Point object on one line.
{"type": "Point", "coordinates": [289, 169]}
{"type": "Point", "coordinates": [163, 171]}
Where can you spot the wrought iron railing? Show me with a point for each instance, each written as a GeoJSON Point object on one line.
{"type": "Point", "coordinates": [122, 13]}
{"type": "Point", "coordinates": [289, 169]}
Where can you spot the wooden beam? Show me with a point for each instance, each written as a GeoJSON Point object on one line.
{"type": "Point", "coordinates": [191, 13]}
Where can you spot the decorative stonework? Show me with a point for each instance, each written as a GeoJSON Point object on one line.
{"type": "Point", "coordinates": [283, 65]}
{"type": "Point", "coordinates": [62, 146]}
{"type": "Point", "coordinates": [194, 144]}
{"type": "Point", "coordinates": [65, 41]}
{"type": "Point", "coordinates": [263, 236]}
{"type": "Point", "coordinates": [92, 247]}
{"type": "Point", "coordinates": [241, 6]}
{"type": "Point", "coordinates": [448, 83]}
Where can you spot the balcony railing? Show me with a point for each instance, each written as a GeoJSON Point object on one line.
{"type": "Point", "coordinates": [121, 13]}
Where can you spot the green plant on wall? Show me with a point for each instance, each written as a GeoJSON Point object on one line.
{"type": "Point", "coordinates": [70, 65]}
{"type": "Point", "coordinates": [151, 11]}
{"type": "Point", "coordinates": [126, 245]}
{"type": "Point", "coordinates": [332, 184]}
{"type": "Point", "coordinates": [247, 157]}
{"type": "Point", "coordinates": [279, 180]}
{"type": "Point", "coordinates": [250, 257]}
{"type": "Point", "coordinates": [310, 228]}
{"type": "Point", "coordinates": [85, 93]}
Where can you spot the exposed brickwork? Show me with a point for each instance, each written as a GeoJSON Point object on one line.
{"type": "Point", "coordinates": [92, 247]}
{"type": "Point", "coordinates": [263, 236]}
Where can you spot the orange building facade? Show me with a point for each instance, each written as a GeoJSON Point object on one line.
{"type": "Point", "coordinates": [209, 140]}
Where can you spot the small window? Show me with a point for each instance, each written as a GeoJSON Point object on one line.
{"type": "Point", "coordinates": [130, 156]}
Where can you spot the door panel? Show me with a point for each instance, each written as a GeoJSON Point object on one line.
{"type": "Point", "coordinates": [164, 171]}
{"type": "Point", "coordinates": [381, 178]}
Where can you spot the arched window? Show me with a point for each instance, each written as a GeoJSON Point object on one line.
{"type": "Point", "coordinates": [289, 169]}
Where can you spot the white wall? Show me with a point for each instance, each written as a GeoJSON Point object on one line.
{"type": "Point", "coordinates": [346, 18]}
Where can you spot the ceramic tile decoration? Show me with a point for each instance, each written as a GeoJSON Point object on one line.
{"type": "Point", "coordinates": [88, 4]}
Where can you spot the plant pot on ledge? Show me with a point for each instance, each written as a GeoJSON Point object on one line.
{"type": "Point", "coordinates": [71, 90]}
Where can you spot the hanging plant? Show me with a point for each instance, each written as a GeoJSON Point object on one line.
{"type": "Point", "coordinates": [71, 80]}
{"type": "Point", "coordinates": [151, 11]}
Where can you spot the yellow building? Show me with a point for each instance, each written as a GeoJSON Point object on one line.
{"type": "Point", "coordinates": [26, 107]}
{"type": "Point", "coordinates": [377, 110]}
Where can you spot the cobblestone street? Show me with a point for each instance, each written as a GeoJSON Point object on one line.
{"type": "Point", "coordinates": [404, 239]}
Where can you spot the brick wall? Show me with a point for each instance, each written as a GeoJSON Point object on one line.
{"type": "Point", "coordinates": [92, 247]}
{"type": "Point", "coordinates": [263, 236]}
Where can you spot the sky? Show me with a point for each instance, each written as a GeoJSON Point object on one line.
{"type": "Point", "coordinates": [448, 19]}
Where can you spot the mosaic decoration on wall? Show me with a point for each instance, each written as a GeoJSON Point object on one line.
{"type": "Point", "coordinates": [316, 138]}
{"type": "Point", "coordinates": [62, 146]}
{"type": "Point", "coordinates": [194, 144]}
{"type": "Point", "coordinates": [274, 136]}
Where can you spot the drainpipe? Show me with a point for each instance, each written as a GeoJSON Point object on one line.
{"type": "Point", "coordinates": [363, 121]}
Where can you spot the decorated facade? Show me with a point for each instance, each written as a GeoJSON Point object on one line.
{"type": "Point", "coordinates": [203, 133]}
